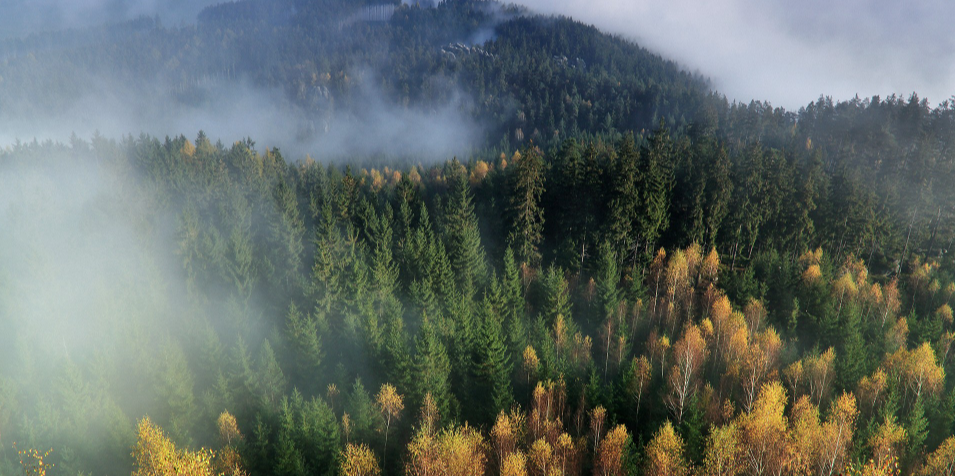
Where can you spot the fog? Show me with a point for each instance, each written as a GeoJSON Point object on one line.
{"type": "Point", "coordinates": [84, 286]}
{"type": "Point", "coordinates": [230, 110]}
{"type": "Point", "coordinates": [22, 17]}
{"type": "Point", "coordinates": [91, 100]}
{"type": "Point", "coordinates": [790, 53]}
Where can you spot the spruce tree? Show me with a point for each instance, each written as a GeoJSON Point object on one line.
{"type": "Point", "coordinates": [656, 187]}
{"type": "Point", "coordinates": [270, 378]}
{"type": "Point", "coordinates": [510, 302]}
{"type": "Point", "coordinates": [526, 213]}
{"type": "Point", "coordinates": [462, 234]}
{"type": "Point", "coordinates": [288, 458]}
{"type": "Point", "coordinates": [494, 365]}
{"type": "Point", "coordinates": [625, 198]}
{"type": "Point", "coordinates": [432, 371]}
{"type": "Point", "coordinates": [303, 334]}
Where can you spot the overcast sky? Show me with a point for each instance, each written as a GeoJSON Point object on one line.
{"type": "Point", "coordinates": [20, 17]}
{"type": "Point", "coordinates": [790, 51]}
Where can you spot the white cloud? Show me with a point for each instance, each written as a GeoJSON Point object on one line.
{"type": "Point", "coordinates": [790, 52]}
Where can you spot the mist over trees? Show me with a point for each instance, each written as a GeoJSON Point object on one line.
{"type": "Point", "coordinates": [624, 274]}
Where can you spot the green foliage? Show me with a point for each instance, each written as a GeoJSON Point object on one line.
{"type": "Point", "coordinates": [266, 285]}
{"type": "Point", "coordinates": [526, 214]}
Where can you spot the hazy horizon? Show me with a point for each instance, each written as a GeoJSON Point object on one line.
{"type": "Point", "coordinates": [789, 53]}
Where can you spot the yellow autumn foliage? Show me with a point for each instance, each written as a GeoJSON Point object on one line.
{"type": "Point", "coordinates": [359, 460]}
{"type": "Point", "coordinates": [156, 455]}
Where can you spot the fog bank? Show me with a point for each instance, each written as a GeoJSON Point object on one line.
{"type": "Point", "coordinates": [790, 52]}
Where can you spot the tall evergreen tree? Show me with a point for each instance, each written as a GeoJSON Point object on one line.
{"type": "Point", "coordinates": [493, 365]}
{"type": "Point", "coordinates": [433, 372]}
{"type": "Point", "coordinates": [625, 199]}
{"type": "Point", "coordinates": [303, 333]}
{"type": "Point", "coordinates": [526, 213]}
{"type": "Point", "coordinates": [656, 186]}
{"type": "Point", "coordinates": [462, 234]}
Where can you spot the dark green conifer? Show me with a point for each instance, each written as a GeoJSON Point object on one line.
{"type": "Point", "coordinates": [526, 214]}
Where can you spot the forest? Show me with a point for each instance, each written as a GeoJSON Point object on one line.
{"type": "Point", "coordinates": [625, 275]}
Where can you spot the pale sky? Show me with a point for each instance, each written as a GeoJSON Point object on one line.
{"type": "Point", "coordinates": [789, 52]}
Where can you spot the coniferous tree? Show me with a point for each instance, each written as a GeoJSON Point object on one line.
{"type": "Point", "coordinates": [625, 199]}
{"type": "Point", "coordinates": [270, 378]}
{"type": "Point", "coordinates": [656, 185]}
{"type": "Point", "coordinates": [462, 234]}
{"type": "Point", "coordinates": [433, 372]}
{"type": "Point", "coordinates": [511, 303]}
{"type": "Point", "coordinates": [303, 334]}
{"type": "Point", "coordinates": [526, 214]}
{"type": "Point", "coordinates": [494, 365]}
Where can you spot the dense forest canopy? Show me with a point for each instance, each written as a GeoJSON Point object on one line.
{"type": "Point", "coordinates": [619, 273]}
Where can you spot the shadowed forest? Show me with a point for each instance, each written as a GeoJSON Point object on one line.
{"type": "Point", "coordinates": [604, 268]}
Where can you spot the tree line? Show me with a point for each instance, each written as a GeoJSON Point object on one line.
{"type": "Point", "coordinates": [610, 308]}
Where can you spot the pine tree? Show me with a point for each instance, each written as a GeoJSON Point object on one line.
{"type": "Point", "coordinates": [288, 458]}
{"type": "Point", "coordinates": [175, 387]}
{"type": "Point", "coordinates": [270, 378]}
{"type": "Point", "coordinates": [852, 354]}
{"type": "Point", "coordinates": [384, 277]}
{"type": "Point", "coordinates": [511, 303]}
{"type": "Point", "coordinates": [396, 355]}
{"type": "Point", "coordinates": [303, 335]}
{"type": "Point", "coordinates": [325, 287]}
{"type": "Point", "coordinates": [494, 365]}
{"type": "Point", "coordinates": [719, 190]}
{"type": "Point", "coordinates": [656, 186]}
{"type": "Point", "coordinates": [916, 427]}
{"type": "Point", "coordinates": [526, 213]}
{"type": "Point", "coordinates": [555, 299]}
{"type": "Point", "coordinates": [319, 438]}
{"type": "Point", "coordinates": [462, 234]}
{"type": "Point", "coordinates": [607, 280]}
{"type": "Point", "coordinates": [361, 409]}
{"type": "Point", "coordinates": [568, 216]}
{"type": "Point", "coordinates": [625, 198]}
{"type": "Point", "coordinates": [358, 312]}
{"type": "Point", "coordinates": [287, 233]}
{"type": "Point", "coordinates": [433, 372]}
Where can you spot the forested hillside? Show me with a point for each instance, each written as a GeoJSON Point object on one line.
{"type": "Point", "coordinates": [515, 78]}
{"type": "Point", "coordinates": [626, 274]}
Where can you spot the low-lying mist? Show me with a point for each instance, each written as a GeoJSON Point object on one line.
{"type": "Point", "coordinates": [101, 324]}
{"type": "Point", "coordinates": [87, 286]}
{"type": "Point", "coordinates": [230, 110]}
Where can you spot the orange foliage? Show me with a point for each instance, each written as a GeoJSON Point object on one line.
{"type": "Point", "coordinates": [689, 353]}
{"type": "Point", "coordinates": [32, 461]}
{"type": "Point", "coordinates": [610, 454]}
{"type": "Point", "coordinates": [458, 451]}
{"type": "Point", "coordinates": [917, 369]}
{"type": "Point", "coordinates": [479, 171]}
{"type": "Point", "coordinates": [507, 432]}
{"type": "Point", "coordinates": [514, 465]}
{"type": "Point", "coordinates": [870, 390]}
